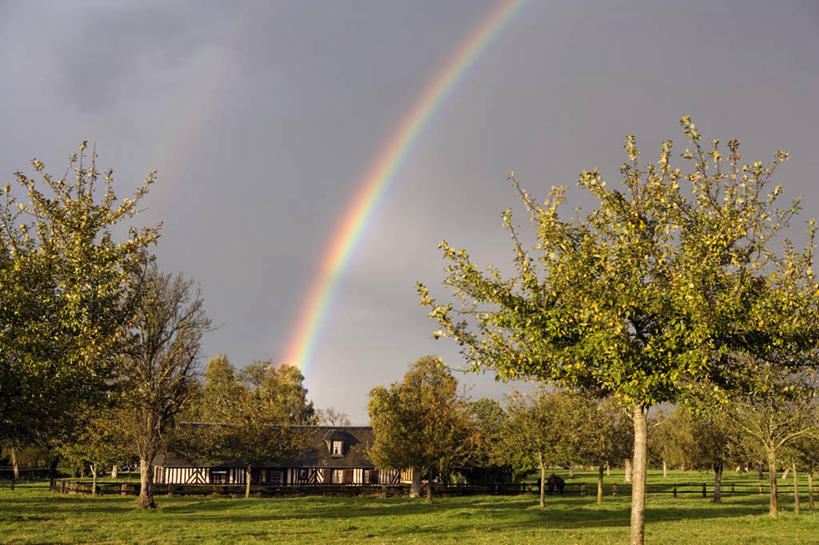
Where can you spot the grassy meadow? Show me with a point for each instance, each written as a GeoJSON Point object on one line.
{"type": "Point", "coordinates": [31, 514]}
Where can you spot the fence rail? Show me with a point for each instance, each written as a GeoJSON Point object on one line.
{"type": "Point", "coordinates": [70, 486]}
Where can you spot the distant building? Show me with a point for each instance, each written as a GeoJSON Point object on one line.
{"type": "Point", "coordinates": [332, 455]}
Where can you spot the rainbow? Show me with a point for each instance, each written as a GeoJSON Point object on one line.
{"type": "Point", "coordinates": [347, 236]}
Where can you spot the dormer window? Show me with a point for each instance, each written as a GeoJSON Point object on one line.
{"type": "Point", "coordinates": [337, 448]}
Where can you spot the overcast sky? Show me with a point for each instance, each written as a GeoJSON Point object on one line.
{"type": "Point", "coordinates": [263, 117]}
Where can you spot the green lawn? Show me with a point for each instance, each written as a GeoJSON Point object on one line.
{"type": "Point", "coordinates": [31, 514]}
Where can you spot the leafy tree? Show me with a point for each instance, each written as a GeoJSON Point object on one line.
{"type": "Point", "coordinates": [97, 442]}
{"type": "Point", "coordinates": [643, 298]}
{"type": "Point", "coordinates": [698, 440]}
{"type": "Point", "coordinates": [781, 412]}
{"type": "Point", "coordinates": [282, 386]}
{"type": "Point", "coordinates": [486, 460]}
{"type": "Point", "coordinates": [534, 434]}
{"type": "Point", "coordinates": [159, 371]}
{"type": "Point", "coordinates": [599, 434]}
{"type": "Point", "coordinates": [251, 414]}
{"type": "Point", "coordinates": [421, 422]}
{"type": "Point", "coordinates": [222, 390]}
{"type": "Point", "coordinates": [661, 439]}
{"type": "Point", "coordinates": [805, 453]}
{"type": "Point", "coordinates": [332, 417]}
{"type": "Point", "coordinates": [66, 293]}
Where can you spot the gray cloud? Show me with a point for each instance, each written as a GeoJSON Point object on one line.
{"type": "Point", "coordinates": [262, 118]}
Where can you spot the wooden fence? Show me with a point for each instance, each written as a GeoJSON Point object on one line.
{"type": "Point", "coordinates": [69, 486]}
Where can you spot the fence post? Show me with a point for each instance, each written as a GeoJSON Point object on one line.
{"type": "Point", "coordinates": [733, 488]}
{"type": "Point", "coordinates": [704, 495]}
{"type": "Point", "coordinates": [613, 489]}
{"type": "Point", "coordinates": [674, 489]}
{"type": "Point", "coordinates": [123, 490]}
{"type": "Point", "coordinates": [582, 489]}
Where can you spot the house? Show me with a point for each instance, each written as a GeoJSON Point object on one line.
{"type": "Point", "coordinates": [331, 455]}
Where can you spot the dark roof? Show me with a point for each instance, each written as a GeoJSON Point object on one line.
{"type": "Point", "coordinates": [316, 453]}
{"type": "Point", "coordinates": [317, 440]}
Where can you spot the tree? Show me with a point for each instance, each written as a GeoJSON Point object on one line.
{"type": "Point", "coordinates": [66, 293]}
{"type": "Point", "coordinates": [805, 453]}
{"type": "Point", "coordinates": [599, 434]}
{"type": "Point", "coordinates": [222, 390]}
{"type": "Point", "coordinates": [645, 297]}
{"type": "Point", "coordinates": [281, 386]}
{"type": "Point", "coordinates": [534, 433]}
{"type": "Point", "coordinates": [486, 460]}
{"type": "Point", "coordinates": [274, 399]}
{"type": "Point", "coordinates": [159, 371]}
{"type": "Point", "coordinates": [332, 417]}
{"type": "Point", "coordinates": [250, 414]}
{"type": "Point", "coordinates": [95, 442]}
{"type": "Point", "coordinates": [420, 423]}
{"type": "Point", "coordinates": [781, 412]}
{"type": "Point", "coordinates": [697, 440]}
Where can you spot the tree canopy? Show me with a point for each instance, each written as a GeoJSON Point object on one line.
{"type": "Point", "coordinates": [421, 422]}
{"type": "Point", "coordinates": [66, 291]}
{"type": "Point", "coordinates": [647, 296]}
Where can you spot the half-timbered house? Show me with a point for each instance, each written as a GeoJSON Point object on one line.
{"type": "Point", "coordinates": [331, 455]}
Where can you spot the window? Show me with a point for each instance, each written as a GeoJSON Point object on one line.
{"type": "Point", "coordinates": [276, 477]}
{"type": "Point", "coordinates": [338, 476]}
{"type": "Point", "coordinates": [218, 477]}
{"type": "Point", "coordinates": [302, 475]}
{"type": "Point", "coordinates": [337, 448]}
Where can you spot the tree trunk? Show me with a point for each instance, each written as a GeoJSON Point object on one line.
{"type": "Point", "coordinates": [665, 469]}
{"type": "Point", "coordinates": [94, 473]}
{"type": "Point", "coordinates": [542, 484]}
{"type": "Point", "coordinates": [760, 469]}
{"type": "Point", "coordinates": [248, 475]}
{"type": "Point", "coordinates": [810, 491]}
{"type": "Point", "coordinates": [415, 487]}
{"type": "Point", "coordinates": [600, 485]}
{"type": "Point", "coordinates": [638, 487]}
{"type": "Point", "coordinates": [795, 491]}
{"type": "Point", "coordinates": [717, 482]}
{"type": "Point", "coordinates": [15, 467]}
{"type": "Point", "coordinates": [627, 476]}
{"type": "Point", "coordinates": [785, 474]}
{"type": "Point", "coordinates": [52, 471]}
{"type": "Point", "coordinates": [774, 502]}
{"type": "Point", "coordinates": [114, 471]}
{"type": "Point", "coordinates": [571, 470]}
{"type": "Point", "coordinates": [429, 488]}
{"type": "Point", "coordinates": [608, 469]}
{"type": "Point", "coordinates": [146, 484]}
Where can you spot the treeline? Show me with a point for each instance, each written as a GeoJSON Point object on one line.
{"type": "Point", "coordinates": [426, 423]}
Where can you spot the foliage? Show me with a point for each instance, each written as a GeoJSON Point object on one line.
{"type": "Point", "coordinates": [282, 387]}
{"type": "Point", "coordinates": [486, 461]}
{"type": "Point", "coordinates": [648, 295]}
{"type": "Point", "coordinates": [97, 441]}
{"type": "Point", "coordinates": [159, 371]}
{"type": "Point", "coordinates": [421, 422]}
{"type": "Point", "coordinates": [249, 415]}
{"type": "Point", "coordinates": [66, 293]}
{"type": "Point", "coordinates": [332, 417]}
{"type": "Point", "coordinates": [782, 411]}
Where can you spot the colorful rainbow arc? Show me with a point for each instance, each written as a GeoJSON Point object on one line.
{"type": "Point", "coordinates": [379, 176]}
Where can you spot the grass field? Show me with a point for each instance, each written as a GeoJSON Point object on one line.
{"type": "Point", "coordinates": [31, 514]}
